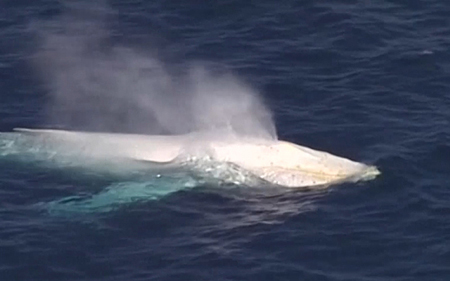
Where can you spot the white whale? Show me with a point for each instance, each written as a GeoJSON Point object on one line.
{"type": "Point", "coordinates": [277, 162]}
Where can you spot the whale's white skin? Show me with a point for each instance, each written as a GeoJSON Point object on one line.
{"type": "Point", "coordinates": [277, 162]}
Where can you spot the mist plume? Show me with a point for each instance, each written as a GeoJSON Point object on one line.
{"type": "Point", "coordinates": [96, 85]}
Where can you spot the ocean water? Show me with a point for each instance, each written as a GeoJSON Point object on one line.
{"type": "Point", "coordinates": [369, 81]}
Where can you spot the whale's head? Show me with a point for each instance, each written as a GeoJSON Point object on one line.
{"type": "Point", "coordinates": [287, 164]}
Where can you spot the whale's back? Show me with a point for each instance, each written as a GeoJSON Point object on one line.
{"type": "Point", "coordinates": [277, 162]}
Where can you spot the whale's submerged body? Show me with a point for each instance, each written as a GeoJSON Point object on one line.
{"type": "Point", "coordinates": [276, 162]}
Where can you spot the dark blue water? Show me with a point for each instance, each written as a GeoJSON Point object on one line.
{"type": "Point", "coordinates": [364, 80]}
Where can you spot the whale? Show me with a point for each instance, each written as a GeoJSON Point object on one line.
{"type": "Point", "coordinates": [274, 162]}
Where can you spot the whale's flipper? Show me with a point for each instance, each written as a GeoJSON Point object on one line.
{"type": "Point", "coordinates": [118, 194]}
